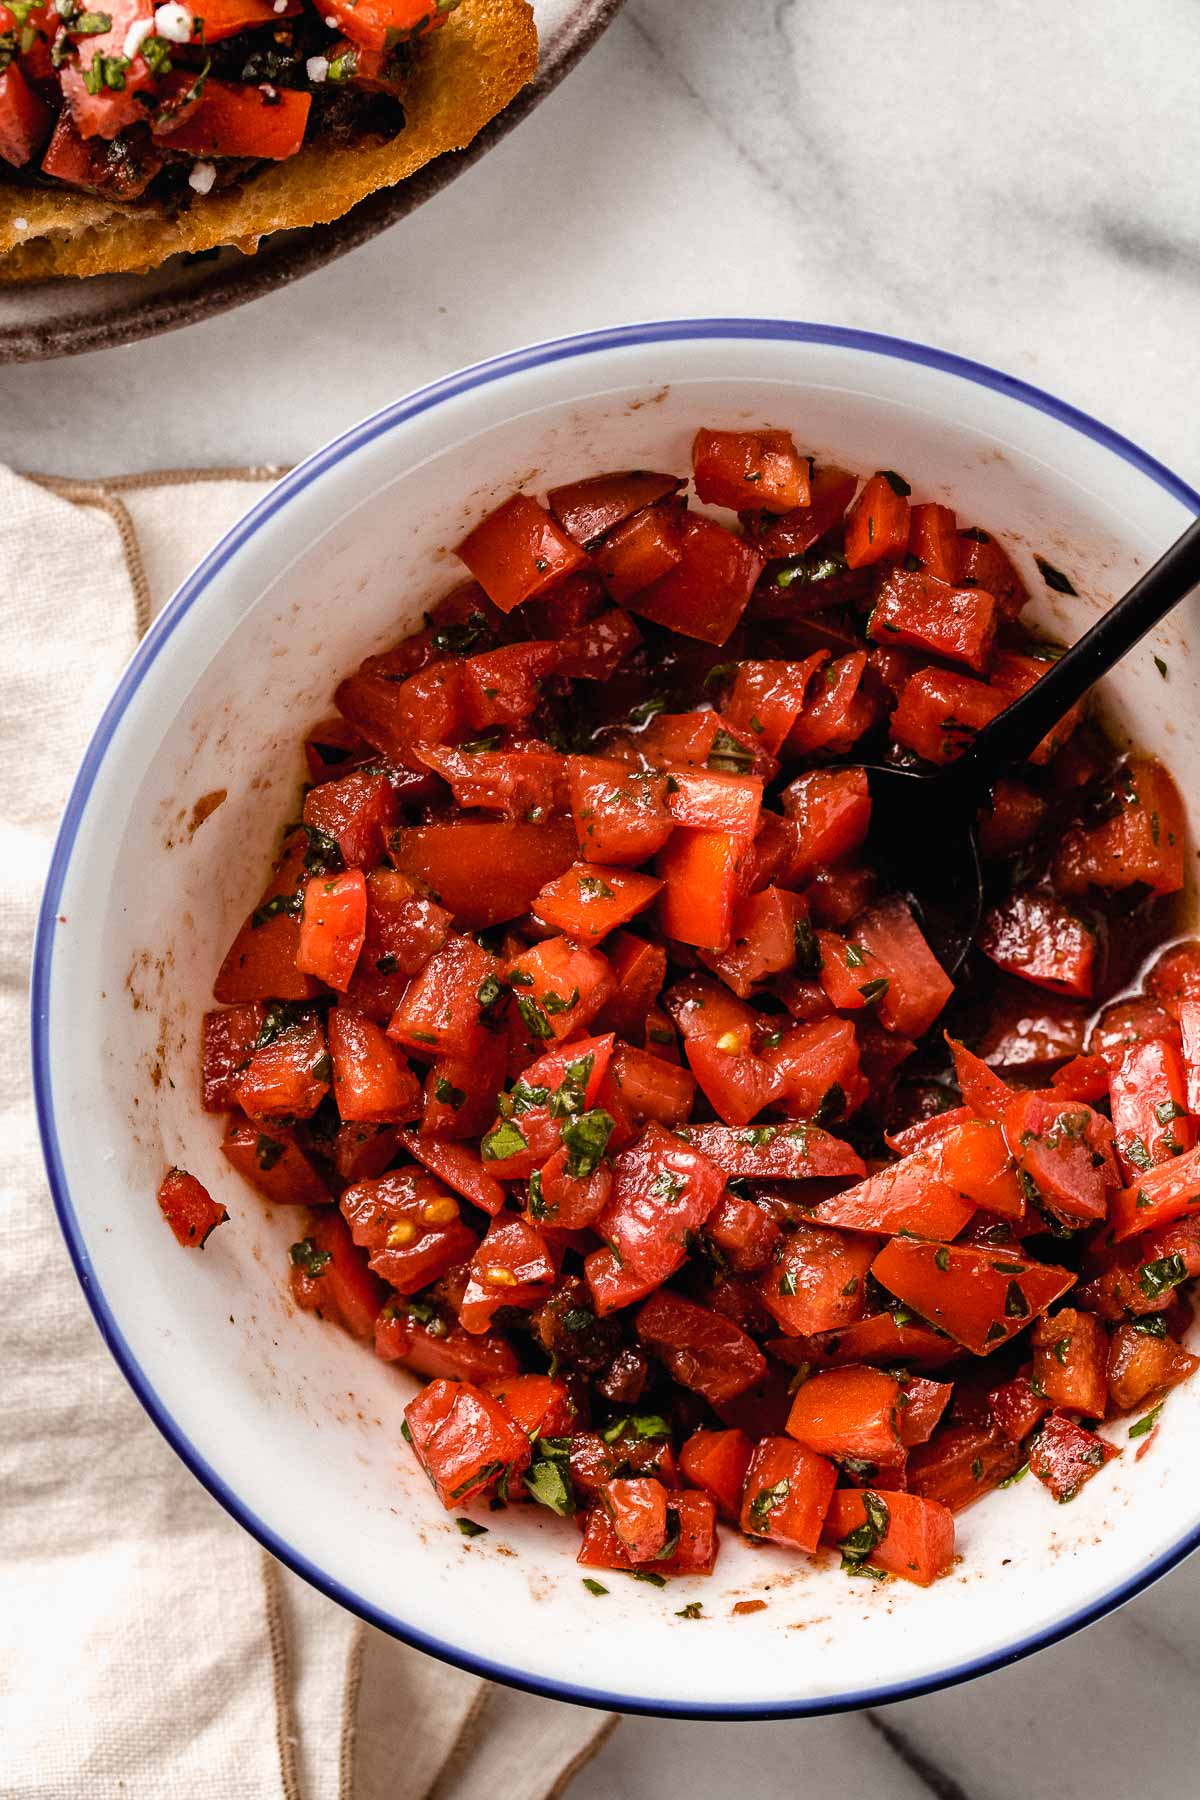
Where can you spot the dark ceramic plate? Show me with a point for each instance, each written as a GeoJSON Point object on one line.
{"type": "Point", "coordinates": [63, 318]}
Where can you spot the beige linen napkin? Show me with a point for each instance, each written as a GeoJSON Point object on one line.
{"type": "Point", "coordinates": [148, 1647]}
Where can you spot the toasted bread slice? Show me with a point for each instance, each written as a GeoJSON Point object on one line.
{"type": "Point", "coordinates": [463, 76]}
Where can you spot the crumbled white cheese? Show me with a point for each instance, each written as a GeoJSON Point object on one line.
{"type": "Point", "coordinates": [136, 36]}
{"type": "Point", "coordinates": [281, 6]}
{"type": "Point", "coordinates": [20, 224]}
{"type": "Point", "coordinates": [331, 21]}
{"type": "Point", "coordinates": [318, 68]}
{"type": "Point", "coordinates": [202, 177]}
{"type": "Point", "coordinates": [173, 22]}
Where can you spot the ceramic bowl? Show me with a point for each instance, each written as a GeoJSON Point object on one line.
{"type": "Point", "coordinates": [294, 1427]}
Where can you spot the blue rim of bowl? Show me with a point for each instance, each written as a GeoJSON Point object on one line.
{"type": "Point", "coordinates": [375, 426]}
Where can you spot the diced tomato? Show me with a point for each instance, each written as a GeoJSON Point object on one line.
{"type": "Point", "coordinates": [591, 899]}
{"type": "Point", "coordinates": [914, 1196]}
{"type": "Point", "coordinates": [637, 1507]}
{"type": "Point", "coordinates": [458, 1167]}
{"type": "Point", "coordinates": [235, 120]}
{"type": "Point", "coordinates": [700, 1349]}
{"type": "Point", "coordinates": [1157, 1195]}
{"type": "Point", "coordinates": [877, 526]}
{"type": "Point", "coordinates": [1064, 1149]}
{"type": "Point", "coordinates": [1070, 1361]}
{"type": "Point", "coordinates": [1189, 1033]}
{"type": "Point", "coordinates": [700, 871]}
{"type": "Point", "coordinates": [746, 1236]}
{"type": "Point", "coordinates": [981, 1089]}
{"type": "Point", "coordinates": [917, 987]}
{"type": "Point", "coordinates": [90, 163]}
{"type": "Point", "coordinates": [1125, 1022]}
{"type": "Point", "coordinates": [982, 563]}
{"type": "Point", "coordinates": [261, 962]}
{"type": "Point", "coordinates": [228, 1038]}
{"type": "Point", "coordinates": [558, 988]}
{"type": "Point", "coordinates": [429, 1348]}
{"type": "Point", "coordinates": [787, 1493]}
{"type": "Point", "coordinates": [1064, 1456]}
{"type": "Point", "coordinates": [1038, 938]}
{"type": "Point", "coordinates": [933, 541]}
{"type": "Point", "coordinates": [931, 615]}
{"type": "Point", "coordinates": [1016, 1406]}
{"type": "Point", "coordinates": [356, 811]}
{"type": "Point", "coordinates": [705, 595]}
{"type": "Point", "coordinates": [612, 1285]}
{"type": "Point", "coordinates": [404, 926]}
{"type": "Point", "coordinates": [709, 801]}
{"type": "Point", "coordinates": [832, 810]}
{"type": "Point", "coordinates": [977, 1162]}
{"type": "Point", "coordinates": [1140, 1365]}
{"type": "Point", "coordinates": [917, 1540]}
{"type": "Point", "coordinates": [228, 18]}
{"type": "Point", "coordinates": [518, 551]}
{"type": "Point", "coordinates": [189, 1209]}
{"type": "Point", "coordinates": [884, 1337]}
{"type": "Point", "coordinates": [652, 1088]}
{"type": "Point", "coordinates": [638, 969]}
{"type": "Point", "coordinates": [1083, 1078]}
{"type": "Point", "coordinates": [274, 1165]}
{"type": "Point", "coordinates": [464, 1440]}
{"type": "Point", "coordinates": [588, 509]}
{"type": "Point", "coordinates": [564, 1202]}
{"type": "Point", "coordinates": [662, 1190]}
{"type": "Point", "coordinates": [1140, 1275]}
{"type": "Point", "coordinates": [768, 697]}
{"type": "Point", "coordinates": [288, 1077]}
{"type": "Point", "coordinates": [371, 1080]}
{"type": "Point", "coordinates": [540, 1406]}
{"type": "Point", "coordinates": [329, 1275]}
{"type": "Point", "coordinates": [920, 1408]}
{"type": "Point", "coordinates": [501, 687]}
{"type": "Point", "coordinates": [819, 1281]}
{"type": "Point", "coordinates": [1010, 820]}
{"type": "Point", "coordinates": [25, 120]}
{"type": "Point", "coordinates": [520, 859]}
{"type": "Point", "coordinates": [1143, 842]}
{"type": "Point", "coordinates": [620, 813]}
{"type": "Point", "coordinates": [777, 1152]}
{"type": "Point", "coordinates": [981, 1300]}
{"type": "Point", "coordinates": [750, 469]}
{"type": "Point", "coordinates": [1174, 977]}
{"type": "Point", "coordinates": [694, 1554]}
{"type": "Point", "coordinates": [716, 1462]}
{"type": "Point", "coordinates": [939, 713]}
{"type": "Point", "coordinates": [925, 1133]}
{"type": "Point", "coordinates": [640, 552]}
{"type": "Point", "coordinates": [411, 1225]}
{"type": "Point", "coordinates": [960, 1463]}
{"type": "Point", "coordinates": [396, 710]}
{"type": "Point", "coordinates": [511, 1267]}
{"type": "Point", "coordinates": [703, 1009]}
{"type": "Point", "coordinates": [832, 718]}
{"type": "Point", "coordinates": [1149, 1113]}
{"type": "Point", "coordinates": [1014, 674]}
{"type": "Point", "coordinates": [596, 650]}
{"type": "Point", "coordinates": [361, 1152]}
{"type": "Point", "coordinates": [439, 1014]}
{"type": "Point", "coordinates": [763, 939]}
{"type": "Point", "coordinates": [792, 533]}
{"type": "Point", "coordinates": [333, 927]}
{"type": "Point", "coordinates": [848, 1412]}
{"type": "Point", "coordinates": [817, 1067]}
{"type": "Point", "coordinates": [737, 1084]}
{"type": "Point", "coordinates": [461, 1091]}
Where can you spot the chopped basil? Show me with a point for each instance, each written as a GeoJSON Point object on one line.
{"type": "Point", "coordinates": [538, 1209]}
{"type": "Point", "coordinates": [477, 746]}
{"type": "Point", "coordinates": [1156, 1278]}
{"type": "Point", "coordinates": [323, 856]}
{"type": "Point", "coordinates": [1016, 1306]}
{"type": "Point", "coordinates": [471, 1528]}
{"type": "Point", "coordinates": [1136, 1151]}
{"type": "Point", "coordinates": [875, 990]}
{"type": "Point", "coordinates": [645, 710]}
{"type": "Point", "coordinates": [579, 1318]}
{"type": "Point", "coordinates": [447, 1094]}
{"type": "Point", "coordinates": [267, 1151]}
{"type": "Point", "coordinates": [1054, 578]}
{"type": "Point", "coordinates": [855, 958]}
{"type": "Point", "coordinates": [896, 482]}
{"type": "Point", "coordinates": [307, 1257]}
{"type": "Point", "coordinates": [692, 1610]}
{"type": "Point", "coordinates": [1161, 666]}
{"type": "Point", "coordinates": [585, 1139]}
{"type": "Point", "coordinates": [463, 635]}
{"type": "Point", "coordinates": [1017, 1475]}
{"type": "Point", "coordinates": [765, 1502]}
{"type": "Point", "coordinates": [642, 1425]}
{"type": "Point", "coordinates": [505, 1139]}
{"type": "Point", "coordinates": [805, 571]}
{"type": "Point", "coordinates": [787, 1284]}
{"type": "Point", "coordinates": [522, 1098]}
{"type": "Point", "coordinates": [728, 755]}
{"type": "Point", "coordinates": [867, 1537]}
{"type": "Point", "coordinates": [592, 888]}
{"type": "Point", "coordinates": [1147, 1422]}
{"type": "Point", "coordinates": [760, 1135]}
{"type": "Point", "coordinates": [832, 1104]}
{"type": "Point", "coordinates": [942, 1258]}
{"type": "Point", "coordinates": [571, 1092]}
{"type": "Point", "coordinates": [533, 1018]}
{"type": "Point", "coordinates": [386, 965]}
{"type": "Point", "coordinates": [548, 1478]}
{"type": "Point", "coordinates": [649, 1576]}
{"type": "Point", "coordinates": [668, 1185]}
{"type": "Point", "coordinates": [1166, 1110]}
{"type": "Point", "coordinates": [322, 1069]}
{"type": "Point", "coordinates": [491, 993]}
{"type": "Point", "coordinates": [1150, 1325]}
{"type": "Point", "coordinates": [594, 1587]}
{"type": "Point", "coordinates": [554, 1003]}
{"type": "Point", "coordinates": [808, 950]}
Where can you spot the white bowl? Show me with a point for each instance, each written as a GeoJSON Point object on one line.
{"type": "Point", "coordinates": [293, 1427]}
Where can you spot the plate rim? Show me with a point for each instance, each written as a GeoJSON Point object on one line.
{"type": "Point", "coordinates": [284, 493]}
{"type": "Point", "coordinates": [248, 278]}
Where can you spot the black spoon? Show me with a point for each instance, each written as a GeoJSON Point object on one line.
{"type": "Point", "coordinates": [923, 822]}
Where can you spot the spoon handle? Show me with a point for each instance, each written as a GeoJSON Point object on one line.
{"type": "Point", "coordinates": [1016, 732]}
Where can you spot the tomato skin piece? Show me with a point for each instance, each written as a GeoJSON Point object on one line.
{"type": "Point", "coordinates": [939, 712]}
{"type": "Point", "coordinates": [1070, 1361]}
{"type": "Point", "coordinates": [228, 1037]}
{"type": "Point", "coordinates": [662, 1190]}
{"type": "Point", "coordinates": [1037, 938]}
{"type": "Point", "coordinates": [371, 1080]}
{"type": "Point", "coordinates": [540, 1406]}
{"type": "Point", "coordinates": [25, 122]}
{"type": "Point", "coordinates": [357, 811]}
{"type": "Point", "coordinates": [274, 1165]}
{"type": "Point", "coordinates": [641, 551]}
{"type": "Point", "coordinates": [1065, 1149]}
{"type": "Point", "coordinates": [977, 1162]}
{"type": "Point", "coordinates": [750, 469]}
{"type": "Point", "coordinates": [918, 988]}
{"type": "Point", "coordinates": [925, 1134]}
{"type": "Point", "coordinates": [620, 813]}
{"type": "Point", "coordinates": [439, 1014]}
{"type": "Point", "coordinates": [914, 1196]}
{"type": "Point", "coordinates": [460, 1168]}
{"type": "Point", "coordinates": [777, 1152]}
{"type": "Point", "coordinates": [189, 1209]}
{"type": "Point", "coordinates": [518, 551]}
{"type": "Point", "coordinates": [819, 1281]}
{"type": "Point", "coordinates": [982, 1090]}
{"type": "Point", "coordinates": [289, 1077]}
{"type": "Point", "coordinates": [1149, 1110]}
{"type": "Point", "coordinates": [768, 697]}
{"type": "Point", "coordinates": [699, 871]}
{"type": "Point", "coordinates": [832, 810]}
{"type": "Point", "coordinates": [1157, 1196]}
{"type": "Point", "coordinates": [464, 1440]}
{"type": "Point", "coordinates": [917, 610]}
{"type": "Point", "coordinates": [961, 1290]}
{"type": "Point", "coordinates": [877, 526]}
{"type": "Point", "coordinates": [590, 508]}
{"type": "Point", "coordinates": [787, 1494]}
{"type": "Point", "coordinates": [933, 540]}
{"type": "Point", "coordinates": [918, 1544]}
{"type": "Point", "coordinates": [1145, 841]}
{"type": "Point", "coordinates": [333, 927]}
{"type": "Point", "coordinates": [1064, 1456]}
{"type": "Point", "coordinates": [705, 595]}
{"type": "Point", "coordinates": [709, 801]}
{"type": "Point", "coordinates": [848, 1412]}
{"type": "Point", "coordinates": [411, 1226]}
{"type": "Point", "coordinates": [260, 964]}
{"type": "Point", "coordinates": [520, 860]}
{"type": "Point", "coordinates": [716, 1462]}
{"type": "Point", "coordinates": [511, 1267]}
{"type": "Point", "coordinates": [700, 1349]}
{"type": "Point", "coordinates": [792, 533]}
{"type": "Point", "coordinates": [1139, 1365]}
{"type": "Point", "coordinates": [233, 119]}
{"type": "Point", "coordinates": [591, 899]}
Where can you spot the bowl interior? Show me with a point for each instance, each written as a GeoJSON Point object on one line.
{"type": "Point", "coordinates": [296, 1427]}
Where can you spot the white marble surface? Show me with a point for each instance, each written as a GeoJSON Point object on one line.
{"type": "Point", "coordinates": [1013, 182]}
